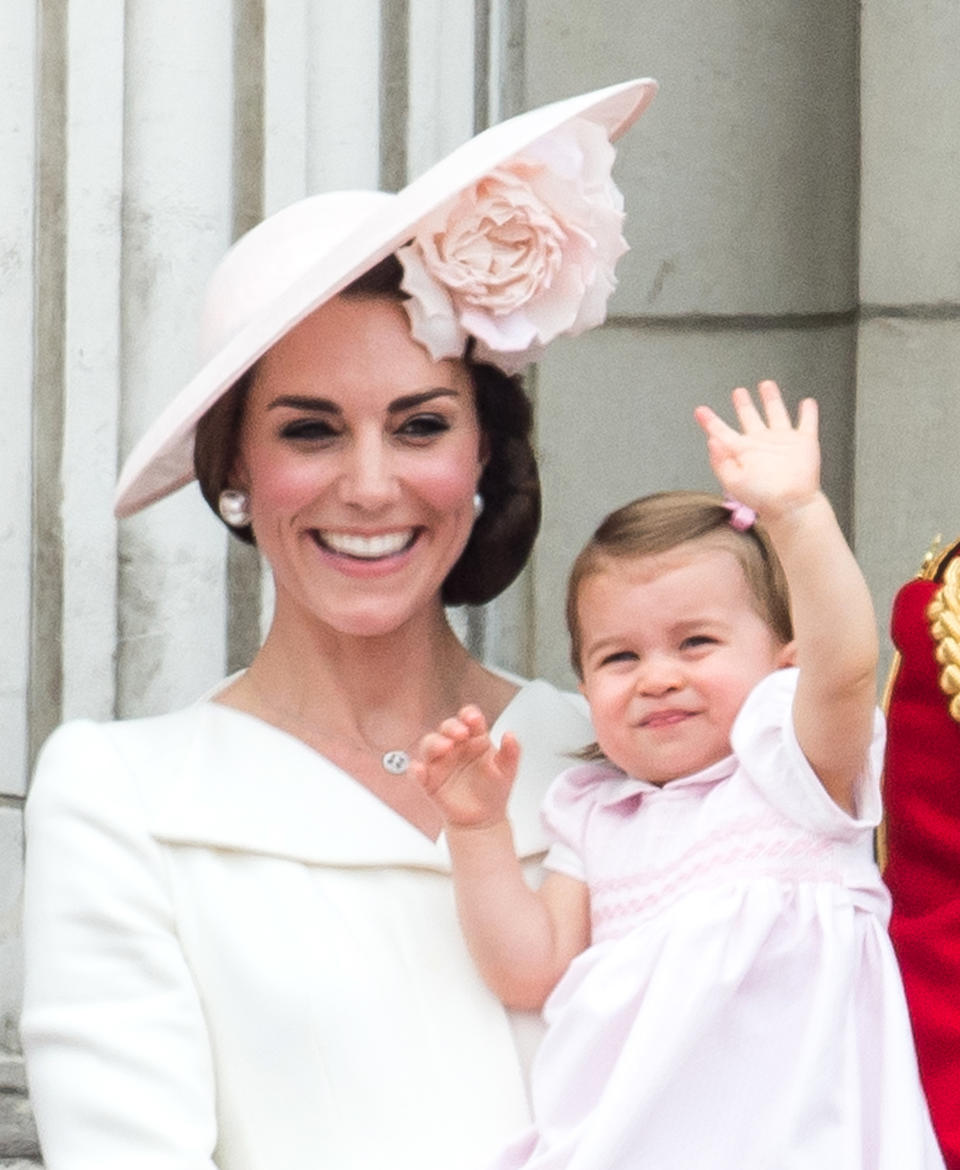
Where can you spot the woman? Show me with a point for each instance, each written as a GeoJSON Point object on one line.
{"type": "Point", "coordinates": [242, 948]}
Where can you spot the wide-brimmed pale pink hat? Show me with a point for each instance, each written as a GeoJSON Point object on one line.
{"type": "Point", "coordinates": [510, 239]}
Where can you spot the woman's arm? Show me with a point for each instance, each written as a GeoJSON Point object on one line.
{"type": "Point", "coordinates": [521, 940]}
{"type": "Point", "coordinates": [118, 1059]}
{"type": "Point", "coordinates": [774, 468]}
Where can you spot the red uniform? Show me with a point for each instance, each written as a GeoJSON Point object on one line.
{"type": "Point", "coordinates": [922, 798]}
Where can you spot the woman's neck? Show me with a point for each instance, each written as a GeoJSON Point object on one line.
{"type": "Point", "coordinates": [383, 691]}
{"type": "Point", "coordinates": [364, 702]}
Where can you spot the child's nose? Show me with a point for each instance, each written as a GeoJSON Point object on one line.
{"type": "Point", "coordinates": [659, 675]}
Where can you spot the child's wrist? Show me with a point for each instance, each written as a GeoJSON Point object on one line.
{"type": "Point", "coordinates": [796, 513]}
{"type": "Point", "coordinates": [472, 830]}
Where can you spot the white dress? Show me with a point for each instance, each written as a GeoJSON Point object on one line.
{"type": "Point", "coordinates": [740, 1007]}
{"type": "Point", "coordinates": [238, 957]}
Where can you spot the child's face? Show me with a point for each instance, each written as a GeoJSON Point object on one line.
{"type": "Point", "coordinates": [672, 645]}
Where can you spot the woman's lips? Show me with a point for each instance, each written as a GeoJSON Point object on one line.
{"type": "Point", "coordinates": [366, 548]}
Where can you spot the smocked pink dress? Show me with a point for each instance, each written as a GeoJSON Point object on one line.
{"type": "Point", "coordinates": [740, 1007]}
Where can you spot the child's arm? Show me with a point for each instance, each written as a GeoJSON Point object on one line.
{"type": "Point", "coordinates": [774, 468]}
{"type": "Point", "coordinates": [521, 940]}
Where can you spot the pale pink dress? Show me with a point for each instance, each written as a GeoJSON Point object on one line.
{"type": "Point", "coordinates": [740, 1007]}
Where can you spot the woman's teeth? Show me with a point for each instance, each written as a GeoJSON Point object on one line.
{"type": "Point", "coordinates": [366, 547]}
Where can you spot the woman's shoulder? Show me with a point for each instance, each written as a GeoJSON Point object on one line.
{"type": "Point", "coordinates": [551, 725]}
{"type": "Point", "coordinates": [114, 762]}
{"type": "Point", "coordinates": [540, 706]}
{"type": "Point", "coordinates": [87, 741]}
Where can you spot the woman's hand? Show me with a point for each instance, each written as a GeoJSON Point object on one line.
{"type": "Point", "coordinates": [464, 773]}
{"type": "Point", "coordinates": [770, 465]}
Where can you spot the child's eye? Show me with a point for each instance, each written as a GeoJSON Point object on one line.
{"type": "Point", "coordinates": [424, 426]}
{"type": "Point", "coordinates": [618, 656]}
{"type": "Point", "coordinates": [698, 642]}
{"type": "Point", "coordinates": [309, 430]}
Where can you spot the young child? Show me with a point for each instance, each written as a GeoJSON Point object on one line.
{"type": "Point", "coordinates": [732, 1001]}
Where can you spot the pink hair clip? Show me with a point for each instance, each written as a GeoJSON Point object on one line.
{"type": "Point", "coordinates": [741, 517]}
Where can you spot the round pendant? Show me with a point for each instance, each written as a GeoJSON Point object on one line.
{"type": "Point", "coordinates": [395, 762]}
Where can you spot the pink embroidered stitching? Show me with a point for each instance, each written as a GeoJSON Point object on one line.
{"type": "Point", "coordinates": [755, 826]}
{"type": "Point", "coordinates": [798, 858]}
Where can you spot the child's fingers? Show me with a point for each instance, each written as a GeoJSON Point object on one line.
{"type": "Point", "coordinates": [773, 404]}
{"type": "Point", "coordinates": [417, 771]}
{"type": "Point", "coordinates": [707, 418]}
{"type": "Point", "coordinates": [508, 754]}
{"type": "Point", "coordinates": [747, 413]}
{"type": "Point", "coordinates": [430, 766]}
{"type": "Point", "coordinates": [467, 721]}
{"type": "Point", "coordinates": [473, 719]}
{"type": "Point", "coordinates": [713, 426]}
{"type": "Point", "coordinates": [808, 417]}
{"type": "Point", "coordinates": [434, 746]}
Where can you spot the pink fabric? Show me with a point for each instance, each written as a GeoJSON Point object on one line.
{"type": "Point", "coordinates": [740, 1007]}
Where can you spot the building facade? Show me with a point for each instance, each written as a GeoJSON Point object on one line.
{"type": "Point", "coordinates": [791, 199]}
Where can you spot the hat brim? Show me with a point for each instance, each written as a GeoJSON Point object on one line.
{"type": "Point", "coordinates": [162, 460]}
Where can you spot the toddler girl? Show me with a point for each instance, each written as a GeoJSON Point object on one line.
{"type": "Point", "coordinates": [712, 930]}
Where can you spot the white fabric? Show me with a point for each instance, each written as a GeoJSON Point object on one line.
{"type": "Point", "coordinates": [740, 1008]}
{"type": "Point", "coordinates": [238, 957]}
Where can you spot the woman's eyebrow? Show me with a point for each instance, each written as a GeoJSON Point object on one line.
{"type": "Point", "coordinates": [409, 401]}
{"type": "Point", "coordinates": [328, 406]}
{"type": "Point", "coordinates": [305, 402]}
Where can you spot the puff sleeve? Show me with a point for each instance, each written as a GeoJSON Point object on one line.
{"type": "Point", "coordinates": [765, 743]}
{"type": "Point", "coordinates": [117, 1052]}
{"type": "Point", "coordinates": [566, 811]}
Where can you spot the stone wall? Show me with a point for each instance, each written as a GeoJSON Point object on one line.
{"type": "Point", "coordinates": [792, 200]}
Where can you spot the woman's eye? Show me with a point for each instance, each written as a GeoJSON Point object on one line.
{"type": "Point", "coordinates": [424, 426]}
{"type": "Point", "coordinates": [308, 430]}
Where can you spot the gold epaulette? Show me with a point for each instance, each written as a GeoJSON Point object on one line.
{"type": "Point", "coordinates": [945, 599]}
{"type": "Point", "coordinates": [943, 614]}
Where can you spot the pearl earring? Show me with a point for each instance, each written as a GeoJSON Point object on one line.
{"type": "Point", "coordinates": [234, 507]}
{"type": "Point", "coordinates": [477, 505]}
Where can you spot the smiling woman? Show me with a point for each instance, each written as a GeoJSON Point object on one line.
{"type": "Point", "coordinates": [209, 987]}
{"type": "Point", "coordinates": [507, 500]}
{"type": "Point", "coordinates": [391, 453]}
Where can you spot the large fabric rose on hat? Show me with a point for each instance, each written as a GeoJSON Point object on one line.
{"type": "Point", "coordinates": [522, 256]}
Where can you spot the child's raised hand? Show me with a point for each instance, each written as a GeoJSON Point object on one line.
{"type": "Point", "coordinates": [464, 773]}
{"type": "Point", "coordinates": [770, 465]}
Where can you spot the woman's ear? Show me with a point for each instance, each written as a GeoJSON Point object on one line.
{"type": "Point", "coordinates": [787, 655]}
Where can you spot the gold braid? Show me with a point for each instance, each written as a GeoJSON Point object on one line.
{"type": "Point", "coordinates": [943, 614]}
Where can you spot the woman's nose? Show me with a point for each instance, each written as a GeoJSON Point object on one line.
{"type": "Point", "coordinates": [367, 479]}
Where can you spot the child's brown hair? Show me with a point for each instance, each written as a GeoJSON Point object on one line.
{"type": "Point", "coordinates": [654, 524]}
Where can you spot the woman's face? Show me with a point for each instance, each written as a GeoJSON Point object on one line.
{"type": "Point", "coordinates": [361, 456]}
